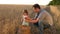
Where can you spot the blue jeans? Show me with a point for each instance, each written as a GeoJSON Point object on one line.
{"type": "Point", "coordinates": [41, 27]}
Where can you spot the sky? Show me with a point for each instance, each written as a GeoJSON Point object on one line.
{"type": "Point", "coordinates": [25, 2]}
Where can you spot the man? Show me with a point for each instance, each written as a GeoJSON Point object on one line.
{"type": "Point", "coordinates": [42, 18]}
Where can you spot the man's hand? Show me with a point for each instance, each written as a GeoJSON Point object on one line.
{"type": "Point", "coordinates": [34, 21]}
{"type": "Point", "coordinates": [31, 20]}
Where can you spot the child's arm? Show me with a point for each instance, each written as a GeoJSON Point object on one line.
{"type": "Point", "coordinates": [21, 19]}
{"type": "Point", "coordinates": [28, 19]}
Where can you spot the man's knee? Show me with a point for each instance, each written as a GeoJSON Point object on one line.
{"type": "Point", "coordinates": [47, 26]}
{"type": "Point", "coordinates": [44, 26]}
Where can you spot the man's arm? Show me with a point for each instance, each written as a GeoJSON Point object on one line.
{"type": "Point", "coordinates": [28, 19]}
{"type": "Point", "coordinates": [34, 21]}
{"type": "Point", "coordinates": [39, 18]}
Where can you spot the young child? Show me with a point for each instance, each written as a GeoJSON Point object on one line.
{"type": "Point", "coordinates": [25, 23]}
{"type": "Point", "coordinates": [25, 18]}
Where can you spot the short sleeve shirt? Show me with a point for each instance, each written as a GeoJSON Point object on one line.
{"type": "Point", "coordinates": [45, 17]}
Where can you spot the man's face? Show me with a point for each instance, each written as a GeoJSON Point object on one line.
{"type": "Point", "coordinates": [36, 10]}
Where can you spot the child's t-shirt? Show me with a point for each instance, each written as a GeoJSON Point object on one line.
{"type": "Point", "coordinates": [24, 21]}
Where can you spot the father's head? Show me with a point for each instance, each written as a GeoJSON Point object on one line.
{"type": "Point", "coordinates": [36, 7]}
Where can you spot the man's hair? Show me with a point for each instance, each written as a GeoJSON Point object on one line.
{"type": "Point", "coordinates": [25, 11]}
{"type": "Point", "coordinates": [36, 6]}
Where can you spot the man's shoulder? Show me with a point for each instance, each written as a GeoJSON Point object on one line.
{"type": "Point", "coordinates": [44, 11]}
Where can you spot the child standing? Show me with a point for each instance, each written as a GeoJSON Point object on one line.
{"type": "Point", "coordinates": [25, 23]}
{"type": "Point", "coordinates": [25, 18]}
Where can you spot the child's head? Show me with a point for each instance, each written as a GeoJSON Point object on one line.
{"type": "Point", "coordinates": [25, 12]}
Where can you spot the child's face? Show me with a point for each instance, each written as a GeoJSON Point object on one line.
{"type": "Point", "coordinates": [25, 13]}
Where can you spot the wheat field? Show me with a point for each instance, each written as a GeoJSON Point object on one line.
{"type": "Point", "coordinates": [10, 19]}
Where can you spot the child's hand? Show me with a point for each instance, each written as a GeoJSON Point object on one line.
{"type": "Point", "coordinates": [27, 20]}
{"type": "Point", "coordinates": [21, 20]}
